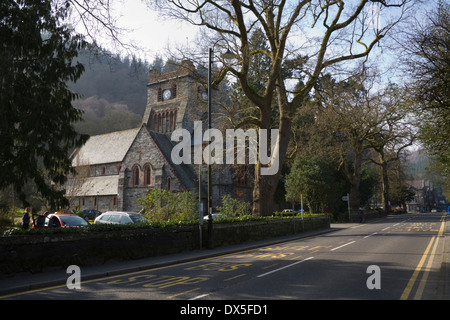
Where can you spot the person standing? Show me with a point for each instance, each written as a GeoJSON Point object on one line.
{"type": "Point", "coordinates": [26, 218]}
{"type": "Point", "coordinates": [40, 221]}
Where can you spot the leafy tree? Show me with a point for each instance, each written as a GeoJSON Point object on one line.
{"type": "Point", "coordinates": [232, 207]}
{"type": "Point", "coordinates": [187, 203]}
{"type": "Point", "coordinates": [36, 115]}
{"type": "Point", "coordinates": [163, 205]}
{"type": "Point", "coordinates": [369, 182]}
{"type": "Point", "coordinates": [346, 119]}
{"type": "Point", "coordinates": [317, 179]}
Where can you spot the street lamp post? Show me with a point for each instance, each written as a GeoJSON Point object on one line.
{"type": "Point", "coordinates": [210, 235]}
{"type": "Point", "coordinates": [227, 55]}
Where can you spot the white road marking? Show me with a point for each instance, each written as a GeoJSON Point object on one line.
{"type": "Point", "coordinates": [289, 265]}
{"type": "Point", "coordinates": [199, 297]}
{"type": "Point", "coordinates": [343, 245]}
{"type": "Point", "coordinates": [370, 235]}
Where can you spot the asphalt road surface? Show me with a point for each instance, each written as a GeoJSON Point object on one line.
{"type": "Point", "coordinates": [397, 258]}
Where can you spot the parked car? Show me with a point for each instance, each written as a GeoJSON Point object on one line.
{"type": "Point", "coordinates": [120, 217]}
{"type": "Point", "coordinates": [91, 214]}
{"type": "Point", "coordinates": [62, 220]}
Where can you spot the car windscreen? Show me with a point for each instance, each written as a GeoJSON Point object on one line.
{"type": "Point", "coordinates": [70, 221]}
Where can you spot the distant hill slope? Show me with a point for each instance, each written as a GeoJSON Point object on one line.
{"type": "Point", "coordinates": [113, 93]}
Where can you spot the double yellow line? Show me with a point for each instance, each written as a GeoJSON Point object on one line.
{"type": "Point", "coordinates": [423, 280]}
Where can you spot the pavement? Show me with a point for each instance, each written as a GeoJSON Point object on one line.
{"type": "Point", "coordinates": [56, 277]}
{"type": "Point", "coordinates": [443, 291]}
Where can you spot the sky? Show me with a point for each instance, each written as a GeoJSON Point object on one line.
{"type": "Point", "coordinates": [150, 32]}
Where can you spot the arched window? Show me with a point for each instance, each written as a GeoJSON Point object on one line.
{"type": "Point", "coordinates": [136, 173]}
{"type": "Point", "coordinates": [148, 174]}
{"type": "Point", "coordinates": [168, 183]}
{"type": "Point", "coordinates": [164, 122]}
{"type": "Point", "coordinates": [167, 122]}
{"type": "Point", "coordinates": [159, 123]}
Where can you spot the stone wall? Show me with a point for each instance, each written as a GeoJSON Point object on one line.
{"type": "Point", "coordinates": [34, 253]}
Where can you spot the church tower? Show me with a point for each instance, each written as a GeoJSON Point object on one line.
{"type": "Point", "coordinates": [174, 99]}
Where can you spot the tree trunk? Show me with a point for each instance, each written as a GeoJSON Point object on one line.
{"type": "Point", "coordinates": [385, 194]}
{"type": "Point", "coordinates": [354, 197]}
{"type": "Point", "coordinates": [266, 185]}
{"type": "Point", "coordinates": [355, 179]}
{"type": "Point", "coordinates": [263, 192]}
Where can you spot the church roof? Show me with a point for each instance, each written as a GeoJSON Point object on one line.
{"type": "Point", "coordinates": [182, 171]}
{"type": "Point", "coordinates": [105, 148]}
{"type": "Point", "coordinates": [96, 186]}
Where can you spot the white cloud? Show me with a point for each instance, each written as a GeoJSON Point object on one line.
{"type": "Point", "coordinates": [151, 33]}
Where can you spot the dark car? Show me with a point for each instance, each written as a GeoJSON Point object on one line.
{"type": "Point", "coordinates": [62, 220]}
{"type": "Point", "coordinates": [91, 214]}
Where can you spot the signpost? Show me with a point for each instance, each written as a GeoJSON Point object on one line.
{"type": "Point", "coordinates": [301, 210]}
{"type": "Point", "coordinates": [347, 198]}
{"type": "Point", "coordinates": [200, 204]}
{"type": "Point", "coordinates": [202, 170]}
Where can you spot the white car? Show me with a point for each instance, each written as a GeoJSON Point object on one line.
{"type": "Point", "coordinates": [120, 217]}
{"type": "Point", "coordinates": [214, 216]}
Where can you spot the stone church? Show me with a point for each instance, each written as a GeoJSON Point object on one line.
{"type": "Point", "coordinates": [116, 169]}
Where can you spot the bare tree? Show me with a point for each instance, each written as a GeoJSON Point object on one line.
{"type": "Point", "coordinates": [356, 122]}
{"type": "Point", "coordinates": [329, 33]}
{"type": "Point", "coordinates": [98, 22]}
{"type": "Point", "coordinates": [395, 134]}
{"type": "Point", "coordinates": [347, 119]}
{"type": "Point", "coordinates": [427, 44]}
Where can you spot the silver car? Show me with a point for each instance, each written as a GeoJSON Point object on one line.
{"type": "Point", "coordinates": [120, 217]}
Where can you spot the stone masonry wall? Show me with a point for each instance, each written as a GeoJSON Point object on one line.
{"type": "Point", "coordinates": [34, 253]}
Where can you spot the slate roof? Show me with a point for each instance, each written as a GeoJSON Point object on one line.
{"type": "Point", "coordinates": [96, 186]}
{"type": "Point", "coordinates": [182, 171]}
{"type": "Point", "coordinates": [105, 148]}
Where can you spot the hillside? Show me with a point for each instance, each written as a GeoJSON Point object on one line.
{"type": "Point", "coordinates": [113, 93]}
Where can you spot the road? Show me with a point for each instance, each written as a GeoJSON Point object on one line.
{"type": "Point", "coordinates": [394, 258]}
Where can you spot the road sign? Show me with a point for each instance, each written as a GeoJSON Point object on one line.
{"type": "Point", "coordinates": [345, 198]}
{"type": "Point", "coordinates": [203, 170]}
